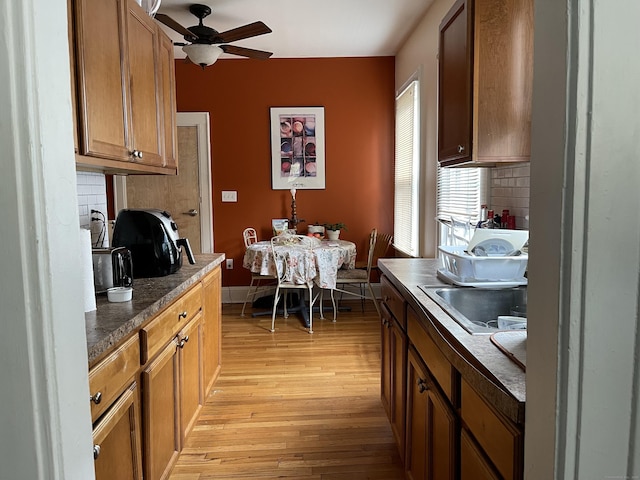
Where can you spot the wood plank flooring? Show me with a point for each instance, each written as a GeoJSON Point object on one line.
{"type": "Point", "coordinates": [293, 405]}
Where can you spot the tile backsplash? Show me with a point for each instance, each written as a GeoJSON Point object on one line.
{"type": "Point", "coordinates": [510, 190]}
{"type": "Point", "coordinates": [92, 195]}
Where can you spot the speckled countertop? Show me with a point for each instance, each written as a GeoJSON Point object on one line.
{"type": "Point", "coordinates": [478, 360]}
{"type": "Point", "coordinates": [111, 323]}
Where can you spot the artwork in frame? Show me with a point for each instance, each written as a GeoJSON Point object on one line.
{"type": "Point", "coordinates": [297, 148]}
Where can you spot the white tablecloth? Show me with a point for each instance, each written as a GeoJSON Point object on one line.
{"type": "Point", "coordinates": [321, 268]}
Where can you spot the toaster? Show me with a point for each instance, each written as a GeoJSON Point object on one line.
{"type": "Point", "coordinates": [112, 267]}
{"type": "Point", "coordinates": [152, 237]}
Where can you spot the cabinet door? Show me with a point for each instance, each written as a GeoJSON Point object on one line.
{"type": "Point", "coordinates": [393, 379]}
{"type": "Point", "coordinates": [431, 427]}
{"type": "Point", "coordinates": [385, 381]}
{"type": "Point", "coordinates": [101, 72]}
{"type": "Point", "coordinates": [167, 83]}
{"type": "Point", "coordinates": [398, 343]}
{"type": "Point", "coordinates": [455, 84]}
{"type": "Point", "coordinates": [116, 438]}
{"type": "Point", "coordinates": [145, 111]}
{"type": "Point", "coordinates": [212, 310]}
{"type": "Point", "coordinates": [160, 403]}
{"type": "Point", "coordinates": [473, 463]}
{"type": "Point", "coordinates": [190, 349]}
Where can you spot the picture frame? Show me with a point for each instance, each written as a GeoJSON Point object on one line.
{"type": "Point", "coordinates": [297, 148]}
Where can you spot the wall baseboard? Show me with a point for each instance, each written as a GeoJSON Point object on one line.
{"type": "Point", "coordinates": [238, 294]}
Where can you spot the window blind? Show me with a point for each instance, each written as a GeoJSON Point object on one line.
{"type": "Point", "coordinates": [461, 191]}
{"type": "Point", "coordinates": [405, 228]}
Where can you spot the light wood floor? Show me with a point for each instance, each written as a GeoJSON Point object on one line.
{"type": "Point", "coordinates": [293, 405]}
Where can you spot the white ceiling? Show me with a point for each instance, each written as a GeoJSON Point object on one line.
{"type": "Point", "coordinates": [309, 28]}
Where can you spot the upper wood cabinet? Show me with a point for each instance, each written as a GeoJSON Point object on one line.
{"type": "Point", "coordinates": [485, 83]}
{"type": "Point", "coordinates": [167, 78]}
{"type": "Point", "coordinates": [122, 73]}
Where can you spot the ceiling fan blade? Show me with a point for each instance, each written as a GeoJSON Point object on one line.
{"type": "Point", "coordinates": [246, 52]}
{"type": "Point", "coordinates": [246, 31]}
{"type": "Point", "coordinates": [172, 24]}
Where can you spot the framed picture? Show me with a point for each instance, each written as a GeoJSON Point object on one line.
{"type": "Point", "coordinates": [297, 148]}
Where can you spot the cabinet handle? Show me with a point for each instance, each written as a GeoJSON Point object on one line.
{"type": "Point", "coordinates": [460, 148]}
{"type": "Point", "coordinates": [136, 154]}
{"type": "Point", "coordinates": [96, 452]}
{"type": "Point", "coordinates": [422, 385]}
{"type": "Point", "coordinates": [97, 398]}
{"type": "Point", "coordinates": [182, 315]}
{"type": "Point", "coordinates": [184, 340]}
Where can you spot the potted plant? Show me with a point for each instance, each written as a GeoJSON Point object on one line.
{"type": "Point", "coordinates": [333, 230]}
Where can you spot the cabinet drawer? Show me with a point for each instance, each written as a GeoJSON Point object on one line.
{"type": "Point", "coordinates": [109, 377]}
{"type": "Point", "coordinates": [394, 300]}
{"type": "Point", "coordinates": [155, 335]}
{"type": "Point", "coordinates": [433, 358]}
{"type": "Point", "coordinates": [501, 441]}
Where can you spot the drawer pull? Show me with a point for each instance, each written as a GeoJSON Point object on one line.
{"type": "Point", "coordinates": [184, 340]}
{"type": "Point", "coordinates": [96, 452]}
{"type": "Point", "coordinates": [422, 385]}
{"type": "Point", "coordinates": [182, 315]}
{"type": "Point", "coordinates": [97, 398]}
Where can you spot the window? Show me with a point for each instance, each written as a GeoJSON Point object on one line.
{"type": "Point", "coordinates": [461, 192]}
{"type": "Point", "coordinates": [405, 209]}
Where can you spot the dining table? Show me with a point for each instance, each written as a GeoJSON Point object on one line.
{"type": "Point", "coordinates": [318, 265]}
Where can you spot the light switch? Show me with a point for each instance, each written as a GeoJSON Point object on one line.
{"type": "Point", "coordinates": [229, 196]}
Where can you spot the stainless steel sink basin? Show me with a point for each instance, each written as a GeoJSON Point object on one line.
{"type": "Point", "coordinates": [477, 309]}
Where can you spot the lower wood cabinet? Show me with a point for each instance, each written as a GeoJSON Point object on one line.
{"type": "Point", "coordinates": [431, 426]}
{"type": "Point", "coordinates": [172, 397]}
{"type": "Point", "coordinates": [394, 365]}
{"type": "Point", "coordinates": [501, 441]}
{"type": "Point", "coordinates": [160, 381]}
{"type": "Point", "coordinates": [175, 357]}
{"type": "Point", "coordinates": [117, 441]}
{"type": "Point", "coordinates": [444, 428]}
{"type": "Point", "coordinates": [473, 463]}
{"type": "Point", "coordinates": [212, 328]}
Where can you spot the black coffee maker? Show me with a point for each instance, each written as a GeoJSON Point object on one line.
{"type": "Point", "coordinates": [152, 237]}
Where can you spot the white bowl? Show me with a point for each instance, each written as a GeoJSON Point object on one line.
{"type": "Point", "coordinates": [119, 294]}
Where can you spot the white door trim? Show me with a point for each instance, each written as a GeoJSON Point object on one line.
{"type": "Point", "coordinates": [200, 120]}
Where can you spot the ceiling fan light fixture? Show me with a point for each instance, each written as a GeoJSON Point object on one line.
{"type": "Point", "coordinates": [201, 54]}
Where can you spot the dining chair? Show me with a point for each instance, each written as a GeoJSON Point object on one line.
{"type": "Point", "coordinates": [290, 271]}
{"type": "Point", "coordinates": [361, 277]}
{"type": "Point", "coordinates": [250, 237]}
{"type": "Point", "coordinates": [382, 244]}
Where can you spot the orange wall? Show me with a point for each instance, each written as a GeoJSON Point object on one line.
{"type": "Point", "coordinates": [358, 99]}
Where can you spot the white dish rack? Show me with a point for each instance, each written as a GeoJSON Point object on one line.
{"type": "Point", "coordinates": [469, 269]}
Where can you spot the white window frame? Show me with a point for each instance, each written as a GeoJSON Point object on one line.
{"type": "Point", "coordinates": [406, 223]}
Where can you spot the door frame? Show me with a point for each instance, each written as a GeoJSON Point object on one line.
{"type": "Point", "coordinates": [200, 120]}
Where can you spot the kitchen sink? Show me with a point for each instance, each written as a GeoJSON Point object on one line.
{"type": "Point", "coordinates": [477, 309]}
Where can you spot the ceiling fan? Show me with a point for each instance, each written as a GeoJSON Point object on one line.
{"type": "Point", "coordinates": [205, 44]}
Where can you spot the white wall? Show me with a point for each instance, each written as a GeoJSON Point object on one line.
{"type": "Point", "coordinates": [45, 419]}
{"type": "Point", "coordinates": [419, 54]}
{"type": "Point", "coordinates": [583, 338]}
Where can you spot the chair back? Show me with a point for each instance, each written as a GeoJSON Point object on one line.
{"type": "Point", "coordinates": [250, 236]}
{"type": "Point", "coordinates": [280, 256]}
{"type": "Point", "coordinates": [378, 246]}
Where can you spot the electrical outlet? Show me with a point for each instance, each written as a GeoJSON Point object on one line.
{"type": "Point", "coordinates": [229, 196]}
{"type": "Point", "coordinates": [229, 263]}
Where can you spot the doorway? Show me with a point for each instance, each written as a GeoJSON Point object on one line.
{"type": "Point", "coordinates": [187, 196]}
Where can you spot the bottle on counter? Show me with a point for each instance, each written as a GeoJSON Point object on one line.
{"type": "Point", "coordinates": [483, 216]}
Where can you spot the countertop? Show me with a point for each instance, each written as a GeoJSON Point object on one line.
{"type": "Point", "coordinates": [480, 362]}
{"type": "Point", "coordinates": [111, 323]}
